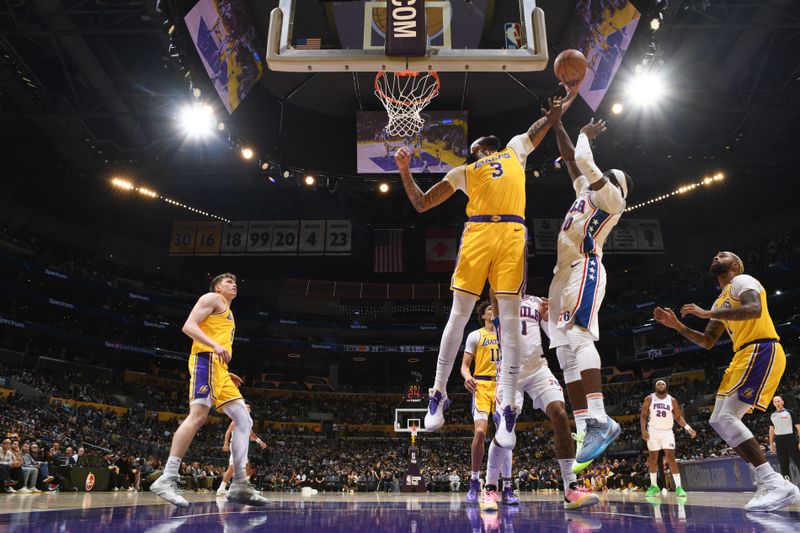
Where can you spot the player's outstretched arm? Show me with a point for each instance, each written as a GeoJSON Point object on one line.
{"type": "Point", "coordinates": [434, 196]}
{"type": "Point", "coordinates": [707, 339]}
{"type": "Point", "coordinates": [552, 112]}
{"type": "Point", "coordinates": [583, 154]}
{"type": "Point", "coordinates": [566, 150]}
{"type": "Point", "coordinates": [750, 308]}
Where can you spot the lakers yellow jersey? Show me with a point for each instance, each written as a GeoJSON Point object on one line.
{"type": "Point", "coordinates": [744, 332]}
{"type": "Point", "coordinates": [495, 185]}
{"type": "Point", "coordinates": [483, 345]}
{"type": "Point", "coordinates": [220, 327]}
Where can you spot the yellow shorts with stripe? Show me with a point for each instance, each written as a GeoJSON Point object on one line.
{"type": "Point", "coordinates": [483, 399]}
{"type": "Point", "coordinates": [754, 374]}
{"type": "Point", "coordinates": [210, 382]}
{"type": "Point", "coordinates": [496, 251]}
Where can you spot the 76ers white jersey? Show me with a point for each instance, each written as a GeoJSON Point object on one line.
{"type": "Point", "coordinates": [531, 327]}
{"type": "Point", "coordinates": [661, 416]}
{"type": "Point", "coordinates": [589, 221]}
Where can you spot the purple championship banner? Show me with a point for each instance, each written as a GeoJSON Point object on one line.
{"type": "Point", "coordinates": [729, 474]}
{"type": "Point", "coordinates": [406, 30]}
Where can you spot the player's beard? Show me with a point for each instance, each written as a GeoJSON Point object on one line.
{"type": "Point", "coordinates": [719, 269]}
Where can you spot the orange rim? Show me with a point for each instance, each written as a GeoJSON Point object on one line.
{"type": "Point", "coordinates": [418, 101]}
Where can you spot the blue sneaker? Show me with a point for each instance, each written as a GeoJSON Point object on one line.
{"type": "Point", "coordinates": [438, 403]}
{"type": "Point", "coordinates": [598, 438]}
{"type": "Point", "coordinates": [474, 490]}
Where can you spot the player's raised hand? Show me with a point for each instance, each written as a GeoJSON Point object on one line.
{"type": "Point", "coordinates": [222, 354]}
{"type": "Point", "coordinates": [666, 317]}
{"type": "Point", "coordinates": [593, 129]}
{"type": "Point", "coordinates": [403, 158]}
{"type": "Point", "coordinates": [236, 379]}
{"type": "Point", "coordinates": [554, 110]}
{"type": "Point", "coordinates": [696, 310]}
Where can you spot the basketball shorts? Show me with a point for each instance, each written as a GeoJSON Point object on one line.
{"type": "Point", "coordinates": [754, 374]}
{"type": "Point", "coordinates": [210, 383]}
{"type": "Point", "coordinates": [496, 251]}
{"type": "Point", "coordinates": [483, 399]}
{"type": "Point", "coordinates": [660, 439]}
{"type": "Point", "coordinates": [576, 293]}
{"type": "Point", "coordinates": [542, 387]}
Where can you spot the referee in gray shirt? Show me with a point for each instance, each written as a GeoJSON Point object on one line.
{"type": "Point", "coordinates": [781, 436]}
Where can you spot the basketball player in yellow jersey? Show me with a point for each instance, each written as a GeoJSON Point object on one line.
{"type": "Point", "coordinates": [211, 326]}
{"type": "Point", "coordinates": [753, 375]}
{"type": "Point", "coordinates": [483, 349]}
{"type": "Point", "coordinates": [492, 246]}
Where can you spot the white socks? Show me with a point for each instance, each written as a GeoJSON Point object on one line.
{"type": "Point", "coordinates": [677, 478]}
{"type": "Point", "coordinates": [171, 469]}
{"type": "Point", "coordinates": [240, 439]}
{"type": "Point", "coordinates": [580, 419]}
{"type": "Point", "coordinates": [475, 475]}
{"type": "Point", "coordinates": [451, 338]}
{"type": "Point", "coordinates": [566, 472]}
{"type": "Point", "coordinates": [768, 476]}
{"type": "Point", "coordinates": [510, 346]}
{"type": "Point", "coordinates": [495, 462]}
{"type": "Point", "coordinates": [596, 407]}
{"type": "Point", "coordinates": [653, 479]}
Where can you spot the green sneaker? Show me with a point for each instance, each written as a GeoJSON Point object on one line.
{"type": "Point", "coordinates": [653, 491]}
{"type": "Point", "coordinates": [680, 493]}
{"type": "Point", "coordinates": [577, 468]}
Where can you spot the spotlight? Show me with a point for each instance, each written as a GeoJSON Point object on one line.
{"type": "Point", "coordinates": [777, 293]}
{"type": "Point", "coordinates": [221, 126]}
{"type": "Point", "coordinates": [122, 184]}
{"type": "Point", "coordinates": [264, 165]}
{"type": "Point", "coordinates": [617, 108]}
{"type": "Point", "coordinates": [247, 153]}
{"type": "Point", "coordinates": [196, 92]}
{"type": "Point", "coordinates": [383, 187]}
{"type": "Point", "coordinates": [536, 174]}
{"type": "Point", "coordinates": [646, 88]}
{"type": "Point", "coordinates": [147, 192]}
{"type": "Point", "coordinates": [286, 174]}
{"type": "Point", "coordinates": [655, 22]}
{"type": "Point", "coordinates": [310, 180]}
{"type": "Point", "coordinates": [197, 120]}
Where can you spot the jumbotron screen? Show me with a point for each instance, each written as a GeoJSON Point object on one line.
{"type": "Point", "coordinates": [441, 145]}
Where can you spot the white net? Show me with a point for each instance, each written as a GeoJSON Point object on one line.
{"type": "Point", "coordinates": [405, 95]}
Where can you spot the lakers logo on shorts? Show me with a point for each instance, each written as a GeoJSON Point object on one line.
{"type": "Point", "coordinates": [747, 393]}
{"type": "Point", "coordinates": [203, 389]}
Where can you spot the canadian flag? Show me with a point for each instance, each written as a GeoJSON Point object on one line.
{"type": "Point", "coordinates": [441, 249]}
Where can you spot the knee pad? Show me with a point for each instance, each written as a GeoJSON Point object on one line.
{"type": "Point", "coordinates": [568, 363]}
{"type": "Point", "coordinates": [582, 345]}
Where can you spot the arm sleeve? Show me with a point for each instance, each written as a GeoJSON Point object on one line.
{"type": "Point", "coordinates": [472, 342]}
{"type": "Point", "coordinates": [742, 283]}
{"type": "Point", "coordinates": [609, 199]}
{"type": "Point", "coordinates": [457, 178]}
{"type": "Point", "coordinates": [581, 185]}
{"type": "Point", "coordinates": [522, 146]}
{"type": "Point", "coordinates": [585, 160]}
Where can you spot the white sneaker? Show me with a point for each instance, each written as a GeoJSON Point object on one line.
{"type": "Point", "coordinates": [246, 494]}
{"type": "Point", "coordinates": [222, 491]}
{"type": "Point", "coordinates": [774, 498]}
{"type": "Point", "coordinates": [167, 488]}
{"type": "Point", "coordinates": [24, 490]}
{"type": "Point", "coordinates": [505, 435]}
{"type": "Point", "coordinates": [438, 403]}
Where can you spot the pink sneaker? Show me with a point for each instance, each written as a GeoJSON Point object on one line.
{"type": "Point", "coordinates": [579, 497]}
{"type": "Point", "coordinates": [488, 500]}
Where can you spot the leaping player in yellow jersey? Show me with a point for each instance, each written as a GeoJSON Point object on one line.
{"type": "Point", "coordinates": [211, 326]}
{"type": "Point", "coordinates": [492, 246]}
{"type": "Point", "coordinates": [753, 375]}
{"type": "Point", "coordinates": [483, 349]}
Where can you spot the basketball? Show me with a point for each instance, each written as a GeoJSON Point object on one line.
{"type": "Point", "coordinates": [570, 66]}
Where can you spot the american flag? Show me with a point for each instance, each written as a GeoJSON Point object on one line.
{"type": "Point", "coordinates": [310, 43]}
{"type": "Point", "coordinates": [388, 254]}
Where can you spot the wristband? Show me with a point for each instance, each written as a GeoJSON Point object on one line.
{"type": "Point", "coordinates": [687, 428]}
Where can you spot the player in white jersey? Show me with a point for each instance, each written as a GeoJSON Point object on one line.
{"type": "Point", "coordinates": [579, 285]}
{"type": "Point", "coordinates": [535, 379]}
{"type": "Point", "coordinates": [660, 411]}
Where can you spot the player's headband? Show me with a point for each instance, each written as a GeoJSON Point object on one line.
{"type": "Point", "coordinates": [623, 183]}
{"type": "Point", "coordinates": [661, 381]}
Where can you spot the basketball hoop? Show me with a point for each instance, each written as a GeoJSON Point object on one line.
{"type": "Point", "coordinates": [413, 434]}
{"type": "Point", "coordinates": [405, 95]}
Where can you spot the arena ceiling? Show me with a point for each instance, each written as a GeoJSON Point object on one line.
{"type": "Point", "coordinates": [89, 90]}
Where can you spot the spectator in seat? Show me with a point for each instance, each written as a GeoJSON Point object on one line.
{"type": "Point", "coordinates": [45, 478]}
{"type": "Point", "coordinates": [134, 473]}
{"type": "Point", "coordinates": [31, 467]}
{"type": "Point", "coordinates": [71, 458]}
{"type": "Point", "coordinates": [455, 481]}
{"type": "Point", "coordinates": [13, 466]}
{"type": "Point", "coordinates": [28, 473]}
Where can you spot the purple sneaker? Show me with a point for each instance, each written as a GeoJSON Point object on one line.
{"type": "Point", "coordinates": [474, 490]}
{"type": "Point", "coordinates": [505, 436]}
{"type": "Point", "coordinates": [438, 403]}
{"type": "Point", "coordinates": [509, 498]}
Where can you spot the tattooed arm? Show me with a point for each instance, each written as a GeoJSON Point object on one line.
{"type": "Point", "coordinates": [750, 308]}
{"type": "Point", "coordinates": [707, 339]}
{"type": "Point", "coordinates": [427, 200]}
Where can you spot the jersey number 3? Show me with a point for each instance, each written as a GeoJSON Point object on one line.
{"type": "Point", "coordinates": [498, 170]}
